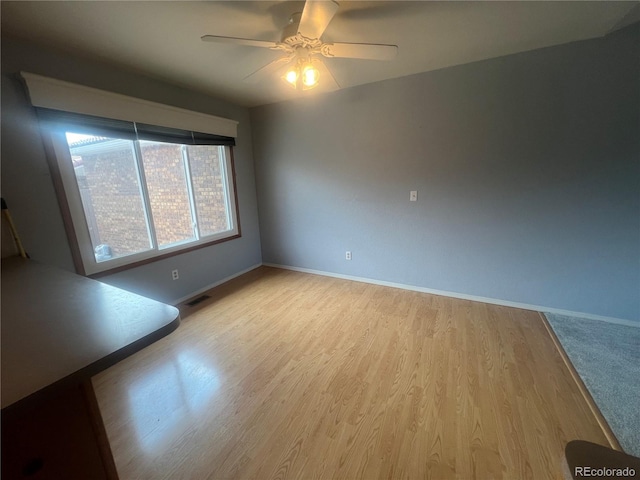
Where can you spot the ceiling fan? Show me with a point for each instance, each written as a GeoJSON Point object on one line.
{"type": "Point", "coordinates": [302, 46]}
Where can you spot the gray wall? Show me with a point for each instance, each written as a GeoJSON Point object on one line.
{"type": "Point", "coordinates": [527, 168]}
{"type": "Point", "coordinates": [27, 185]}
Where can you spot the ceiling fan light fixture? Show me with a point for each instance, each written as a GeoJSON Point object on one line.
{"type": "Point", "coordinates": [310, 77]}
{"type": "Point", "coordinates": [302, 76]}
{"type": "Point", "coordinates": [291, 77]}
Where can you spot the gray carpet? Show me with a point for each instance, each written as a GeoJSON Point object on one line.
{"type": "Point", "coordinates": [607, 357]}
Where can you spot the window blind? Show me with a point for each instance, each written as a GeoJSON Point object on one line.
{"type": "Point", "coordinates": [109, 127]}
{"type": "Point", "coordinates": [186, 137]}
{"type": "Point", "coordinates": [87, 124]}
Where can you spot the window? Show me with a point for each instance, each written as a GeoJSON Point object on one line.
{"type": "Point", "coordinates": [132, 198]}
{"type": "Point", "coordinates": [136, 180]}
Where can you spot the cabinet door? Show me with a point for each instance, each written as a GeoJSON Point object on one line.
{"type": "Point", "coordinates": [53, 437]}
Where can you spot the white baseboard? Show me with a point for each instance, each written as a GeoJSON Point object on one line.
{"type": "Point", "coordinates": [475, 298]}
{"type": "Point", "coordinates": [213, 285]}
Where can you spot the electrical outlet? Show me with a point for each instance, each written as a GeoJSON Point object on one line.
{"type": "Point", "coordinates": [174, 274]}
{"type": "Point", "coordinates": [348, 256]}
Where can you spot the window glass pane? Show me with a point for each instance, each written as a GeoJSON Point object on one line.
{"type": "Point", "coordinates": [169, 198]}
{"type": "Point", "coordinates": [206, 163]}
{"type": "Point", "coordinates": [107, 178]}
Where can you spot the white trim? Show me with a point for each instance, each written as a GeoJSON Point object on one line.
{"type": "Point", "coordinates": [475, 298]}
{"type": "Point", "coordinates": [70, 97]}
{"type": "Point", "coordinates": [213, 285]}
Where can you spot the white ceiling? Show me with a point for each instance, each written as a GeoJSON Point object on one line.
{"type": "Point", "coordinates": [162, 39]}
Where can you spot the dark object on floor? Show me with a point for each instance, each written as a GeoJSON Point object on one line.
{"type": "Point", "coordinates": [584, 459]}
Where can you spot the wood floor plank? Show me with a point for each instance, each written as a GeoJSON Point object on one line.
{"type": "Point", "coordinates": [284, 375]}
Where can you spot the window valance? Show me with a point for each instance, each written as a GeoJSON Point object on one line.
{"type": "Point", "coordinates": [59, 96]}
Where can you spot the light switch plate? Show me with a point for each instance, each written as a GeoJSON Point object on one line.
{"type": "Point", "coordinates": [413, 196]}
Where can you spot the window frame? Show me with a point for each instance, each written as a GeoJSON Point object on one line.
{"type": "Point", "coordinates": [59, 157]}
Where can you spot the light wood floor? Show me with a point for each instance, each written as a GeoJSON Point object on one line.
{"type": "Point", "coordinates": [289, 375]}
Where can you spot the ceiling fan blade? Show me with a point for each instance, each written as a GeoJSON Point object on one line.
{"type": "Point", "coordinates": [367, 51]}
{"type": "Point", "coordinates": [248, 42]}
{"type": "Point", "coordinates": [327, 81]}
{"type": "Point", "coordinates": [267, 70]}
{"type": "Point", "coordinates": [315, 17]}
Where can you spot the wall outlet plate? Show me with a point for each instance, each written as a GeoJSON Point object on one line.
{"type": "Point", "coordinates": [347, 255]}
